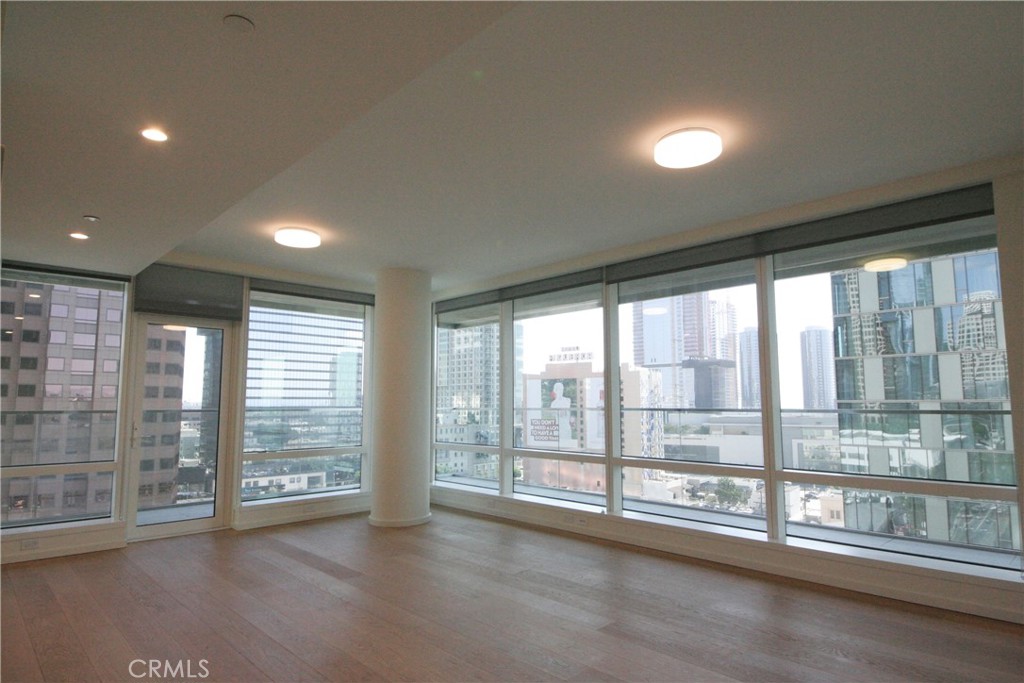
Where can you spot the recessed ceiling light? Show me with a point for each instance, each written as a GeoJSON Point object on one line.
{"type": "Point", "coordinates": [884, 265]}
{"type": "Point", "coordinates": [154, 134]}
{"type": "Point", "coordinates": [79, 236]}
{"type": "Point", "coordinates": [299, 238]}
{"type": "Point", "coordinates": [687, 148]}
{"type": "Point", "coordinates": [91, 219]}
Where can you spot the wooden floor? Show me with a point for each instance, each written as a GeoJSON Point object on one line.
{"type": "Point", "coordinates": [461, 599]}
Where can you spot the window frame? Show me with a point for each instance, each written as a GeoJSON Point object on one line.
{"type": "Point", "coordinates": [70, 469]}
{"type": "Point", "coordinates": [362, 450]}
{"type": "Point", "coordinates": [887, 224]}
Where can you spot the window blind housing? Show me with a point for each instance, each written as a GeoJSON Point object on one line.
{"type": "Point", "coordinates": [888, 223]}
{"type": "Point", "coordinates": [182, 291]}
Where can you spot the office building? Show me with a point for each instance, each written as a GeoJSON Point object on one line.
{"type": "Point", "coordinates": [750, 373]}
{"type": "Point", "coordinates": [818, 369]}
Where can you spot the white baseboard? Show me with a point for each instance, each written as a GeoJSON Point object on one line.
{"type": "Point", "coordinates": [20, 545]}
{"type": "Point", "coordinates": [399, 522]}
{"type": "Point", "coordinates": [271, 513]}
{"type": "Point", "coordinates": [993, 593]}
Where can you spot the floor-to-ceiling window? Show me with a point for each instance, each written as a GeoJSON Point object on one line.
{"type": "Point", "coordinates": [558, 395]}
{"type": "Point", "coordinates": [61, 346]}
{"type": "Point", "coordinates": [842, 382]}
{"type": "Point", "coordinates": [304, 428]}
{"type": "Point", "coordinates": [303, 379]}
{"type": "Point", "coordinates": [689, 380]}
{"type": "Point", "coordinates": [467, 396]}
{"type": "Point", "coordinates": [905, 386]}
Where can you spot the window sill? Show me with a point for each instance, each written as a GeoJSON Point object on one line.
{"type": "Point", "coordinates": [301, 498]}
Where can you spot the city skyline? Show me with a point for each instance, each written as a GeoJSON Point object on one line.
{"type": "Point", "coordinates": [883, 386]}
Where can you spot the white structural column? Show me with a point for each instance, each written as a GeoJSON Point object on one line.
{"type": "Point", "coordinates": [400, 493]}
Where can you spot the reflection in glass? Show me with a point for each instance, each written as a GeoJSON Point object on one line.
{"type": "Point", "coordinates": [580, 482]}
{"type": "Point", "coordinates": [936, 526]}
{"type": "Point", "coordinates": [920, 371]}
{"type": "Point", "coordinates": [55, 498]}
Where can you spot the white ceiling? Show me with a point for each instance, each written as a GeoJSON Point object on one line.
{"type": "Point", "coordinates": [472, 140]}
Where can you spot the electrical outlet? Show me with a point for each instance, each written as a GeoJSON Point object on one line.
{"type": "Point", "coordinates": [582, 521]}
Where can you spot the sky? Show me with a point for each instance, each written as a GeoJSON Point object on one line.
{"type": "Point", "coordinates": [800, 303]}
{"type": "Point", "coordinates": [195, 357]}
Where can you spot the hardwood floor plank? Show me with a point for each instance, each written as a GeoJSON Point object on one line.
{"type": "Point", "coordinates": [159, 627]}
{"type": "Point", "coordinates": [60, 653]}
{"type": "Point", "coordinates": [299, 602]}
{"type": "Point", "coordinates": [104, 645]}
{"type": "Point", "coordinates": [255, 596]}
{"type": "Point", "coordinates": [294, 636]}
{"type": "Point", "coordinates": [409, 654]}
{"type": "Point", "coordinates": [466, 598]}
{"type": "Point", "coordinates": [450, 635]}
{"type": "Point", "coordinates": [193, 592]}
{"type": "Point", "coordinates": [18, 661]}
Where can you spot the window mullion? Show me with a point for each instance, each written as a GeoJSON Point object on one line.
{"type": "Point", "coordinates": [775, 509]}
{"type": "Point", "coordinates": [574, 456]}
{"type": "Point", "coordinates": [365, 461]}
{"type": "Point", "coordinates": [301, 453]}
{"type": "Point", "coordinates": [59, 469]}
{"type": "Point", "coordinates": [506, 401]}
{"type": "Point", "coordinates": [612, 402]}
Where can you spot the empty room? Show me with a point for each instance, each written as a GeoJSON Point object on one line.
{"type": "Point", "coordinates": [525, 341]}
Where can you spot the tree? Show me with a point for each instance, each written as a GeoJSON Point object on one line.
{"type": "Point", "coordinates": [728, 492]}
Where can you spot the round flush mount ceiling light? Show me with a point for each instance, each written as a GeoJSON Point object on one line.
{"type": "Point", "coordinates": [884, 265]}
{"type": "Point", "coordinates": [687, 148]}
{"type": "Point", "coordinates": [299, 238]}
{"type": "Point", "coordinates": [78, 236]}
{"type": "Point", "coordinates": [154, 134]}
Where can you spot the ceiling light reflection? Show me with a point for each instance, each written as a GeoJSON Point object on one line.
{"type": "Point", "coordinates": [884, 265]}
